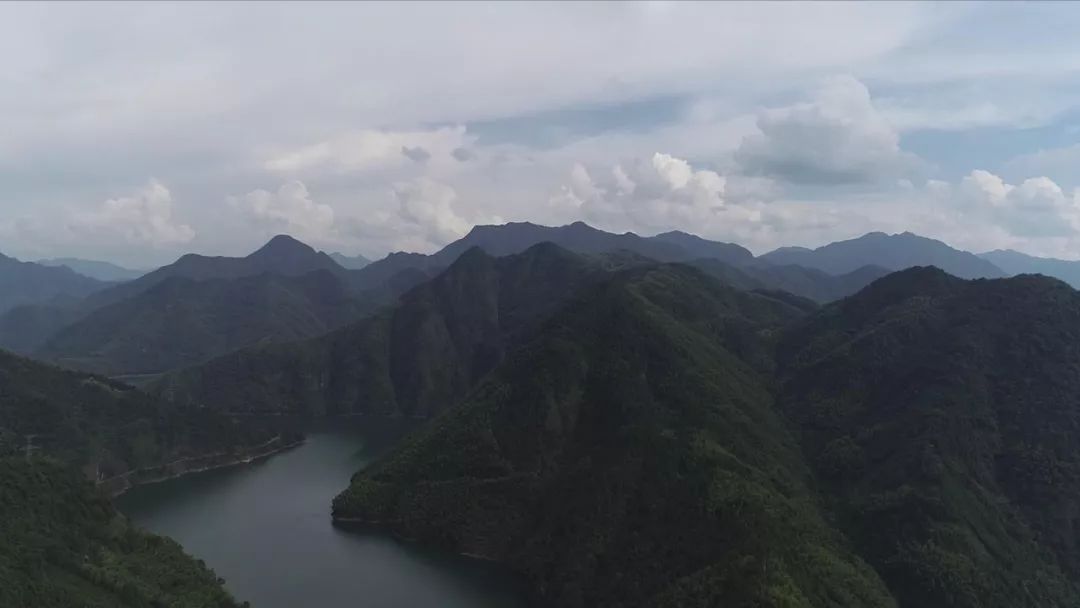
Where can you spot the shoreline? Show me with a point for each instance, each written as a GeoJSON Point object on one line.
{"type": "Point", "coordinates": [358, 523]}
{"type": "Point", "coordinates": [119, 484]}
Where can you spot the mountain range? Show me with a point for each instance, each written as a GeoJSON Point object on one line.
{"type": "Point", "coordinates": [24, 283]}
{"type": "Point", "coordinates": [130, 328]}
{"type": "Point", "coordinates": [1014, 262]}
{"type": "Point", "coordinates": [198, 307]}
{"type": "Point", "coordinates": [102, 271]}
{"type": "Point", "coordinates": [893, 252]}
{"type": "Point", "coordinates": [623, 421]}
{"type": "Point", "coordinates": [666, 440]}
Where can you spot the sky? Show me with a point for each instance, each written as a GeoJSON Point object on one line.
{"type": "Point", "coordinates": [135, 132]}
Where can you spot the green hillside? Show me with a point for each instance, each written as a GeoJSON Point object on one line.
{"type": "Point", "coordinates": [943, 419]}
{"type": "Point", "coordinates": [416, 358]}
{"type": "Point", "coordinates": [630, 456]}
{"type": "Point", "coordinates": [667, 441]}
{"type": "Point", "coordinates": [64, 546]}
{"type": "Point", "coordinates": [180, 321]}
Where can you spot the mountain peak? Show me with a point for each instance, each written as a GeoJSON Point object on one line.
{"type": "Point", "coordinates": [283, 244]}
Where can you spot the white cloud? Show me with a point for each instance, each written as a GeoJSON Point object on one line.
{"type": "Point", "coordinates": [288, 210]}
{"type": "Point", "coordinates": [371, 150]}
{"type": "Point", "coordinates": [143, 218]}
{"type": "Point", "coordinates": [838, 137]}
{"type": "Point", "coordinates": [426, 207]}
{"type": "Point", "coordinates": [664, 193]}
{"type": "Point", "coordinates": [1059, 164]}
{"type": "Point", "coordinates": [1037, 207]}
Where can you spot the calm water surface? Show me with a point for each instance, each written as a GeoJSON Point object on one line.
{"type": "Point", "coordinates": [265, 528]}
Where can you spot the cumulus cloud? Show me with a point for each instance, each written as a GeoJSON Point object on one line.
{"type": "Point", "coordinates": [427, 207]}
{"type": "Point", "coordinates": [290, 209]}
{"type": "Point", "coordinates": [837, 137]}
{"type": "Point", "coordinates": [369, 150]}
{"type": "Point", "coordinates": [143, 218]}
{"type": "Point", "coordinates": [664, 193]}
{"type": "Point", "coordinates": [1037, 207]}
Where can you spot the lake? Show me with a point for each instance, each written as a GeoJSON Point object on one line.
{"type": "Point", "coordinates": [265, 528]}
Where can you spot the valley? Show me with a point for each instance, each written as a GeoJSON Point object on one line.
{"type": "Point", "coordinates": [566, 413]}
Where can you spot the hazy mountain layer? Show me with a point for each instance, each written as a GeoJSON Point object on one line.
{"type": "Point", "coordinates": [890, 251]}
{"type": "Point", "coordinates": [102, 271]}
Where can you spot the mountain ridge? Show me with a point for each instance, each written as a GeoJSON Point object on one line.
{"type": "Point", "coordinates": [890, 251]}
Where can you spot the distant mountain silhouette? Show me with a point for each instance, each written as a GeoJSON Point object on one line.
{"type": "Point", "coordinates": [180, 321]}
{"type": "Point", "coordinates": [1014, 262]}
{"type": "Point", "coordinates": [579, 237]}
{"type": "Point", "coordinates": [211, 306]}
{"type": "Point", "coordinates": [890, 251]}
{"type": "Point", "coordinates": [817, 285]}
{"type": "Point", "coordinates": [102, 271]}
{"type": "Point", "coordinates": [355, 262]}
{"type": "Point", "coordinates": [282, 255]}
{"type": "Point", "coordinates": [23, 283]}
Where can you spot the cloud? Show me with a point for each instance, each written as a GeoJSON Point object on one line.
{"type": "Point", "coordinates": [290, 210]}
{"type": "Point", "coordinates": [427, 208]}
{"type": "Point", "coordinates": [1037, 207]}
{"type": "Point", "coordinates": [143, 218]}
{"type": "Point", "coordinates": [838, 137]}
{"type": "Point", "coordinates": [463, 154]}
{"type": "Point", "coordinates": [371, 150]}
{"type": "Point", "coordinates": [418, 154]}
{"type": "Point", "coordinates": [1057, 163]}
{"type": "Point", "coordinates": [662, 193]}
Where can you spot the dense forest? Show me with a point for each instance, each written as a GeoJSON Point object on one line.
{"type": "Point", "coordinates": [669, 441]}
{"type": "Point", "coordinates": [68, 440]}
{"type": "Point", "coordinates": [620, 431]}
{"type": "Point", "coordinates": [64, 546]}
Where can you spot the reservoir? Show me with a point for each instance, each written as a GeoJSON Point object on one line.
{"type": "Point", "coordinates": [265, 528]}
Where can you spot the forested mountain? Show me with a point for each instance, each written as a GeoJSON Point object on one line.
{"type": "Point", "coordinates": [64, 545]}
{"type": "Point", "coordinates": [24, 283]}
{"type": "Point", "coordinates": [579, 237]}
{"type": "Point", "coordinates": [1014, 262]}
{"type": "Point", "coordinates": [630, 456]}
{"type": "Point", "coordinates": [890, 251]}
{"type": "Point", "coordinates": [200, 307]}
{"type": "Point", "coordinates": [282, 255]}
{"type": "Point", "coordinates": [180, 321]}
{"type": "Point", "coordinates": [414, 359]}
{"type": "Point", "coordinates": [942, 418]}
{"type": "Point", "coordinates": [811, 283]}
{"type": "Point", "coordinates": [666, 440]}
{"type": "Point", "coordinates": [102, 271]}
{"type": "Point", "coordinates": [105, 427]}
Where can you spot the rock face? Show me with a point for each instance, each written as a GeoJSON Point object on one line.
{"type": "Point", "coordinates": [666, 441]}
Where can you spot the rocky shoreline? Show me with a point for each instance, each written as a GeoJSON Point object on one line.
{"type": "Point", "coordinates": [117, 485]}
